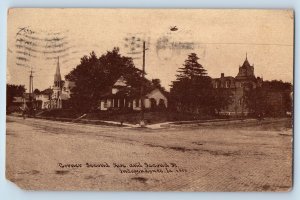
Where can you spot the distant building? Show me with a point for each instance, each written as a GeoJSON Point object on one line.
{"type": "Point", "coordinates": [120, 96]}
{"type": "Point", "coordinates": [57, 96]}
{"type": "Point", "coordinates": [43, 99]}
{"type": "Point", "coordinates": [21, 101]}
{"type": "Point", "coordinates": [57, 88]}
{"type": "Point", "coordinates": [239, 84]}
{"type": "Point", "coordinates": [25, 101]}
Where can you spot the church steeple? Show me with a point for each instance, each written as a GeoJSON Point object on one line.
{"type": "Point", "coordinates": [246, 63]}
{"type": "Point", "coordinates": [57, 76]}
{"type": "Point", "coordinates": [57, 88]}
{"type": "Point", "coordinates": [246, 70]}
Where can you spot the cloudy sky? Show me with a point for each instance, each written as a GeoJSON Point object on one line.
{"type": "Point", "coordinates": [221, 39]}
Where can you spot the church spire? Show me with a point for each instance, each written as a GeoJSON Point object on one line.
{"type": "Point", "coordinates": [246, 62]}
{"type": "Point", "coordinates": [57, 76]}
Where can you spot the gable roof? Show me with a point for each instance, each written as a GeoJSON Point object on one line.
{"type": "Point", "coordinates": [158, 90]}
{"type": "Point", "coordinates": [121, 81]}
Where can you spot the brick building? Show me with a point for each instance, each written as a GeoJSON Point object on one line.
{"type": "Point", "coordinates": [238, 85]}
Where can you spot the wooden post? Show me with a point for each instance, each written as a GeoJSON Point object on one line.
{"type": "Point", "coordinates": [142, 123]}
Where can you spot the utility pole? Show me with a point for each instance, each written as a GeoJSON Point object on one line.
{"type": "Point", "coordinates": [134, 44]}
{"type": "Point", "coordinates": [59, 86]}
{"type": "Point", "coordinates": [30, 85]}
{"type": "Point", "coordinates": [30, 91]}
{"type": "Point", "coordinates": [142, 122]}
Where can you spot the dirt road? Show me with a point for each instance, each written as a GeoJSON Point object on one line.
{"type": "Point", "coordinates": [50, 155]}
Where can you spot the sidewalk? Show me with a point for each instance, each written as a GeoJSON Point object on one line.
{"type": "Point", "coordinates": [163, 125]}
{"type": "Point", "coordinates": [214, 122]}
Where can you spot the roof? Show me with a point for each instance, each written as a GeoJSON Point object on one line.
{"type": "Point", "coordinates": [246, 63]}
{"type": "Point", "coordinates": [47, 91]}
{"type": "Point", "coordinates": [121, 82]}
{"type": "Point", "coordinates": [21, 99]}
{"type": "Point", "coordinates": [57, 76]}
{"type": "Point", "coordinates": [132, 94]}
{"type": "Point", "coordinates": [158, 89]}
{"type": "Point", "coordinates": [18, 100]}
{"type": "Point", "coordinates": [224, 78]}
{"type": "Point", "coordinates": [126, 90]}
{"type": "Point", "coordinates": [70, 84]}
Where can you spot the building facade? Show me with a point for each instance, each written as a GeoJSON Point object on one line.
{"type": "Point", "coordinates": [120, 96]}
{"type": "Point", "coordinates": [238, 85]}
{"type": "Point", "coordinates": [43, 99]}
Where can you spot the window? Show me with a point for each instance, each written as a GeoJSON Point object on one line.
{"type": "Point", "coordinates": [105, 103]}
{"type": "Point", "coordinates": [240, 102]}
{"type": "Point", "coordinates": [217, 84]}
{"type": "Point", "coordinates": [227, 84]}
{"type": "Point", "coordinates": [137, 103]}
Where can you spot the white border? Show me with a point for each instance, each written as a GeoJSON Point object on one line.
{"type": "Point", "coordinates": [10, 191]}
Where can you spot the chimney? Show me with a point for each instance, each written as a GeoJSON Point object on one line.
{"type": "Point", "coordinates": [222, 75]}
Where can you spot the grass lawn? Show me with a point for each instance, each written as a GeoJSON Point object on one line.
{"type": "Point", "coordinates": [132, 117]}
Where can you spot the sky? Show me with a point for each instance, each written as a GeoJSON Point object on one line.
{"type": "Point", "coordinates": [220, 38]}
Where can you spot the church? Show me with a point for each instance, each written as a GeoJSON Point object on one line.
{"type": "Point", "coordinates": [238, 85]}
{"type": "Point", "coordinates": [55, 97]}
{"type": "Point", "coordinates": [61, 90]}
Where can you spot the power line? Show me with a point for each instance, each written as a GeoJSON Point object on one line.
{"type": "Point", "coordinates": [240, 43]}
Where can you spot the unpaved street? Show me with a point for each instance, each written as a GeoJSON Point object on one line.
{"type": "Point", "coordinates": [51, 155]}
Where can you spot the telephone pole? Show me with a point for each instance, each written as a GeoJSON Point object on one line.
{"type": "Point", "coordinates": [134, 44]}
{"type": "Point", "coordinates": [142, 122]}
{"type": "Point", "coordinates": [31, 106]}
{"type": "Point", "coordinates": [30, 85]}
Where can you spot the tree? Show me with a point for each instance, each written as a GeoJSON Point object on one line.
{"type": "Point", "coordinates": [93, 77]}
{"type": "Point", "coordinates": [271, 99]}
{"type": "Point", "coordinates": [13, 91]}
{"type": "Point", "coordinates": [36, 91]}
{"type": "Point", "coordinates": [192, 91]}
{"type": "Point", "coordinates": [191, 68]}
{"type": "Point", "coordinates": [222, 98]}
{"type": "Point", "coordinates": [157, 84]}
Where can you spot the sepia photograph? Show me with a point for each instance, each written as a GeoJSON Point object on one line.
{"type": "Point", "coordinates": [196, 100]}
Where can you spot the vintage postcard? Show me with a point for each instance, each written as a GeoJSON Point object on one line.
{"type": "Point", "coordinates": [150, 99]}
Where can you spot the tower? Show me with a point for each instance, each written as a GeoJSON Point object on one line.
{"type": "Point", "coordinates": [246, 70]}
{"type": "Point", "coordinates": [57, 87]}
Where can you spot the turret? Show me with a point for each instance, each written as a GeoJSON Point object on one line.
{"type": "Point", "coordinates": [246, 70]}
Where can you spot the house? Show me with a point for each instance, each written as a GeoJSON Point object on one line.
{"type": "Point", "coordinates": [121, 95]}
{"type": "Point", "coordinates": [43, 99]}
{"type": "Point", "coordinates": [24, 101]}
{"type": "Point", "coordinates": [20, 102]}
{"type": "Point", "coordinates": [238, 85]}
